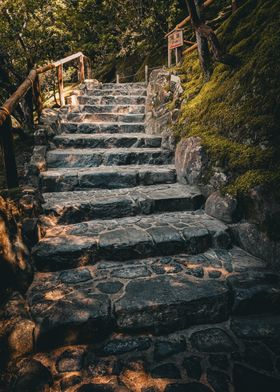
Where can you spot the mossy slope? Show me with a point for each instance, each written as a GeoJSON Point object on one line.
{"type": "Point", "coordinates": [237, 112]}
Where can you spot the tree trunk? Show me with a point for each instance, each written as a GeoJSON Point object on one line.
{"type": "Point", "coordinates": [234, 5]}
{"type": "Point", "coordinates": [206, 38]}
{"type": "Point", "coordinates": [202, 46]}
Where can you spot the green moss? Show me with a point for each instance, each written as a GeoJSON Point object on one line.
{"type": "Point", "coordinates": [252, 178]}
{"type": "Point", "coordinates": [237, 112]}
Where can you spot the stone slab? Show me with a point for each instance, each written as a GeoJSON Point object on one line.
{"type": "Point", "coordinates": [107, 141]}
{"type": "Point", "coordinates": [70, 207]}
{"type": "Point", "coordinates": [108, 177]}
{"type": "Point", "coordinates": [132, 237]}
{"type": "Point", "coordinates": [94, 157]}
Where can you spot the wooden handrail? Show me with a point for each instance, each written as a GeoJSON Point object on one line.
{"type": "Point", "coordinates": [9, 106]}
{"type": "Point", "coordinates": [188, 18]}
{"type": "Point", "coordinates": [32, 81]}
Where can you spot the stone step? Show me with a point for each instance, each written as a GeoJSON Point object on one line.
{"type": "Point", "coordinates": [110, 177]}
{"type": "Point", "coordinates": [105, 117]}
{"type": "Point", "coordinates": [104, 86]}
{"type": "Point", "coordinates": [213, 355]}
{"type": "Point", "coordinates": [114, 109]}
{"type": "Point", "coordinates": [141, 236]}
{"type": "Point", "coordinates": [111, 100]}
{"type": "Point", "coordinates": [87, 127]}
{"type": "Point", "coordinates": [156, 295]}
{"type": "Point", "coordinates": [74, 207]}
{"type": "Point", "coordinates": [105, 140]}
{"type": "Point", "coordinates": [94, 157]}
{"type": "Point", "coordinates": [139, 92]}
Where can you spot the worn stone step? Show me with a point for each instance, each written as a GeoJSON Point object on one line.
{"type": "Point", "coordinates": [127, 238]}
{"type": "Point", "coordinates": [111, 100]}
{"type": "Point", "coordinates": [87, 157]}
{"type": "Point", "coordinates": [104, 86]}
{"type": "Point", "coordinates": [88, 127]}
{"type": "Point", "coordinates": [155, 295]}
{"type": "Point", "coordinates": [136, 92]}
{"type": "Point", "coordinates": [105, 140]}
{"type": "Point", "coordinates": [108, 177]}
{"type": "Point", "coordinates": [105, 117]}
{"type": "Point", "coordinates": [114, 109]}
{"type": "Point", "coordinates": [74, 207]}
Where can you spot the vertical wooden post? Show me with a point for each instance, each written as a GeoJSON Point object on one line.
{"type": "Point", "coordinates": [37, 96]}
{"type": "Point", "coordinates": [60, 84]}
{"type": "Point", "coordinates": [176, 56]}
{"type": "Point", "coordinates": [117, 78]}
{"type": "Point", "coordinates": [146, 74]}
{"type": "Point", "coordinates": [82, 69]}
{"type": "Point", "coordinates": [7, 145]}
{"type": "Point", "coordinates": [88, 69]}
{"type": "Point", "coordinates": [169, 57]}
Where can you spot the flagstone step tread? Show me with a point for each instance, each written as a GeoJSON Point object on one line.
{"type": "Point", "coordinates": [106, 117]}
{"type": "Point", "coordinates": [106, 177]}
{"type": "Point", "coordinates": [156, 294]}
{"type": "Point", "coordinates": [94, 157]}
{"type": "Point", "coordinates": [117, 85]}
{"type": "Point", "coordinates": [105, 140]}
{"type": "Point", "coordinates": [114, 109]}
{"type": "Point", "coordinates": [133, 92]}
{"type": "Point", "coordinates": [74, 207]}
{"type": "Point", "coordinates": [97, 127]}
{"type": "Point", "coordinates": [168, 233]}
{"type": "Point", "coordinates": [190, 360]}
{"type": "Point", "coordinates": [111, 100]}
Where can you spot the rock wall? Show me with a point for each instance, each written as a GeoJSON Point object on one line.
{"type": "Point", "coordinates": [163, 103]}
{"type": "Point", "coordinates": [254, 218]}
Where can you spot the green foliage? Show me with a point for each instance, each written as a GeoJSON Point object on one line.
{"type": "Point", "coordinates": [115, 34]}
{"type": "Point", "coordinates": [237, 113]}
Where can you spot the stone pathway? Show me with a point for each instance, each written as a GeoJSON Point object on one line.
{"type": "Point", "coordinates": [136, 288]}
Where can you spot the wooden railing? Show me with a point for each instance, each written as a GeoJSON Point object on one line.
{"type": "Point", "coordinates": [32, 81]}
{"type": "Point", "coordinates": [180, 26]}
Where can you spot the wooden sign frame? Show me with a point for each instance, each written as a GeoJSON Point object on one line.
{"type": "Point", "coordinates": [175, 43]}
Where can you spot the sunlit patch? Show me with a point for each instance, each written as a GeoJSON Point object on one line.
{"type": "Point", "coordinates": [54, 295]}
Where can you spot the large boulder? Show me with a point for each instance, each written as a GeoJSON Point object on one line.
{"type": "Point", "coordinates": [191, 161]}
{"type": "Point", "coordinates": [223, 207]}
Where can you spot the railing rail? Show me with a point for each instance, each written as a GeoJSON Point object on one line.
{"type": "Point", "coordinates": [6, 110]}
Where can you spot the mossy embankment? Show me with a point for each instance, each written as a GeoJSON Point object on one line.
{"type": "Point", "coordinates": [237, 112]}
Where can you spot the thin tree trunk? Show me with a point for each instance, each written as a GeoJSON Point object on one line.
{"type": "Point", "coordinates": [202, 46]}
{"type": "Point", "coordinates": [234, 5]}
{"type": "Point", "coordinates": [204, 31]}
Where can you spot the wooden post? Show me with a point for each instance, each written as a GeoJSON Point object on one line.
{"type": "Point", "coordinates": [37, 96]}
{"type": "Point", "coordinates": [176, 56]}
{"type": "Point", "coordinates": [146, 74]}
{"type": "Point", "coordinates": [60, 84]}
{"type": "Point", "coordinates": [117, 78]}
{"type": "Point", "coordinates": [169, 57]}
{"type": "Point", "coordinates": [82, 69]}
{"type": "Point", "coordinates": [88, 69]}
{"type": "Point", "coordinates": [7, 145]}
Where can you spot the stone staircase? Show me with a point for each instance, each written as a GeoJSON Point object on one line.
{"type": "Point", "coordinates": [137, 289]}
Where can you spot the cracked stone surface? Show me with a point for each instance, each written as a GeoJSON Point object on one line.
{"type": "Point", "coordinates": [86, 157]}
{"type": "Point", "coordinates": [106, 177]}
{"type": "Point", "coordinates": [70, 207]}
{"type": "Point", "coordinates": [127, 238]}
